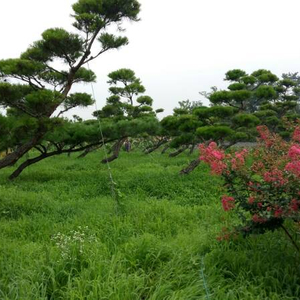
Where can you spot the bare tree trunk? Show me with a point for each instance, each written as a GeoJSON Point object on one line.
{"type": "Point", "coordinates": [173, 154]}
{"type": "Point", "coordinates": [13, 157]}
{"type": "Point", "coordinates": [29, 162]}
{"type": "Point", "coordinates": [192, 149]}
{"type": "Point", "coordinates": [88, 150]}
{"type": "Point", "coordinates": [84, 153]}
{"type": "Point", "coordinates": [191, 167]}
{"type": "Point", "coordinates": [165, 149]}
{"type": "Point", "coordinates": [34, 160]}
{"type": "Point", "coordinates": [160, 143]}
{"type": "Point", "coordinates": [116, 150]}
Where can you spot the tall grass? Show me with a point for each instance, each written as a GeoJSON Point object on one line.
{"type": "Point", "coordinates": [63, 238]}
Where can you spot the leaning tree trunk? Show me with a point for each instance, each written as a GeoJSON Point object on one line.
{"type": "Point", "coordinates": [29, 162]}
{"type": "Point", "coordinates": [192, 149]}
{"type": "Point", "coordinates": [84, 153]}
{"type": "Point", "coordinates": [165, 149]}
{"type": "Point", "coordinates": [44, 155]}
{"type": "Point", "coordinates": [191, 167]}
{"type": "Point", "coordinates": [116, 150]}
{"type": "Point", "coordinates": [173, 154]}
{"type": "Point", "coordinates": [160, 143]}
{"type": "Point", "coordinates": [13, 157]}
{"type": "Point", "coordinates": [88, 150]}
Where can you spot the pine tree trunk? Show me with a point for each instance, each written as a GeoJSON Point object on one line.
{"type": "Point", "coordinates": [84, 153]}
{"type": "Point", "coordinates": [29, 162]}
{"type": "Point", "coordinates": [116, 150]}
{"type": "Point", "coordinates": [165, 149]}
{"type": "Point", "coordinates": [173, 154]}
{"type": "Point", "coordinates": [34, 160]}
{"type": "Point", "coordinates": [191, 167]}
{"type": "Point", "coordinates": [160, 143]}
{"type": "Point", "coordinates": [13, 157]}
{"type": "Point", "coordinates": [88, 150]}
{"type": "Point", "coordinates": [192, 149]}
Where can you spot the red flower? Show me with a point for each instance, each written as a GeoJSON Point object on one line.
{"type": "Point", "coordinates": [214, 157]}
{"type": "Point", "coordinates": [257, 219]}
{"type": "Point", "coordinates": [294, 205]}
{"type": "Point", "coordinates": [293, 167]}
{"type": "Point", "coordinates": [294, 152]}
{"type": "Point", "coordinates": [275, 176]}
{"type": "Point", "coordinates": [228, 203]}
{"type": "Point", "coordinates": [278, 212]}
{"type": "Point", "coordinates": [296, 135]}
{"type": "Point", "coordinates": [251, 200]}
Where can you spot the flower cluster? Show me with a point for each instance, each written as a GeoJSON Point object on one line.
{"type": "Point", "coordinates": [262, 185]}
{"type": "Point", "coordinates": [214, 157]}
{"type": "Point", "coordinates": [73, 242]}
{"type": "Point", "coordinates": [227, 202]}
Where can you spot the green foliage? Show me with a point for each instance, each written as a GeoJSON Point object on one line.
{"type": "Point", "coordinates": [250, 100]}
{"type": "Point", "coordinates": [249, 80]}
{"type": "Point", "coordinates": [245, 120]}
{"type": "Point", "coordinates": [214, 132]}
{"type": "Point", "coordinates": [265, 92]}
{"type": "Point", "coordinates": [78, 99]}
{"type": "Point", "coordinates": [110, 41]}
{"type": "Point", "coordinates": [265, 76]}
{"type": "Point", "coordinates": [128, 112]}
{"type": "Point", "coordinates": [220, 97]}
{"type": "Point", "coordinates": [20, 67]}
{"type": "Point", "coordinates": [57, 42]}
{"type": "Point", "coordinates": [237, 86]}
{"type": "Point", "coordinates": [234, 75]}
{"type": "Point", "coordinates": [90, 15]}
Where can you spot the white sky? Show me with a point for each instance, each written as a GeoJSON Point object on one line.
{"type": "Point", "coordinates": [179, 47]}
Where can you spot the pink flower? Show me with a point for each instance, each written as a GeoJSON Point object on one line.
{"type": "Point", "coordinates": [294, 168]}
{"type": "Point", "coordinates": [239, 160]}
{"type": "Point", "coordinates": [251, 200]}
{"type": "Point", "coordinates": [217, 154]}
{"type": "Point", "coordinates": [214, 157]}
{"type": "Point", "coordinates": [294, 152]}
{"type": "Point", "coordinates": [228, 203]}
{"type": "Point", "coordinates": [213, 145]}
{"type": "Point", "coordinates": [278, 212]}
{"type": "Point", "coordinates": [276, 177]}
{"type": "Point", "coordinates": [265, 135]}
{"type": "Point", "coordinates": [296, 135]}
{"type": "Point", "coordinates": [257, 219]}
{"type": "Point", "coordinates": [294, 205]}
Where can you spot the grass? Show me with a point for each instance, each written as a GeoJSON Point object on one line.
{"type": "Point", "coordinates": [64, 237]}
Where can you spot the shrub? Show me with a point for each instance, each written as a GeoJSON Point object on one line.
{"type": "Point", "coordinates": [262, 186]}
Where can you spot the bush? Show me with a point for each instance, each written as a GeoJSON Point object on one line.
{"type": "Point", "coordinates": [262, 187]}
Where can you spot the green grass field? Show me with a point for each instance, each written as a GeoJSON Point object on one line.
{"type": "Point", "coordinates": [62, 235]}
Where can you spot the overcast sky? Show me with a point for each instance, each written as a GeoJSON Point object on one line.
{"type": "Point", "coordinates": [179, 47]}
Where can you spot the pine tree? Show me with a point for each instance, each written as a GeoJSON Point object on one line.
{"type": "Point", "coordinates": [37, 90]}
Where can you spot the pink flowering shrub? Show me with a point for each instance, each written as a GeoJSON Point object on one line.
{"type": "Point", "coordinates": [262, 185]}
